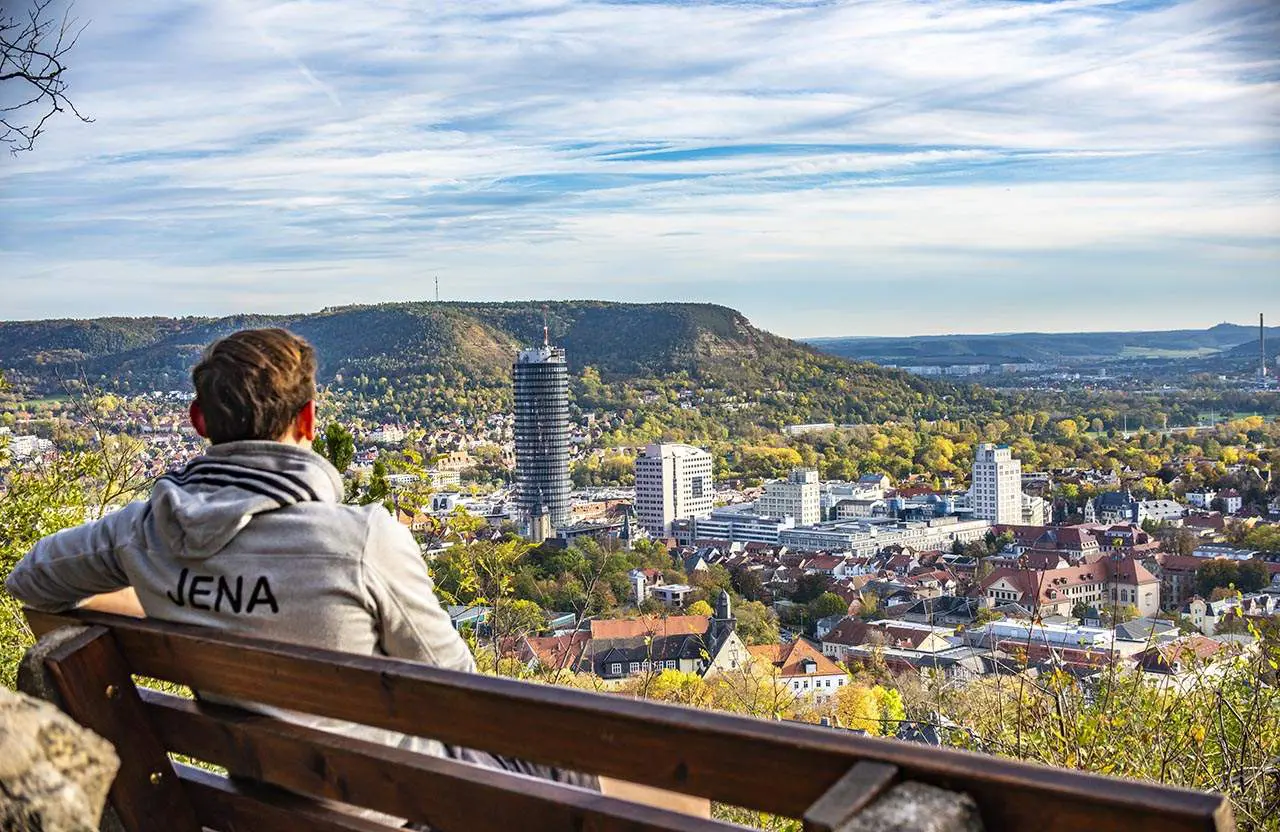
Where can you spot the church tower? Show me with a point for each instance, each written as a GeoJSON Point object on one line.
{"type": "Point", "coordinates": [723, 623]}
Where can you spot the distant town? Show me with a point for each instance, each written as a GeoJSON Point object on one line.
{"type": "Point", "coordinates": [963, 580]}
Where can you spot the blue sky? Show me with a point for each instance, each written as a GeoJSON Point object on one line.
{"type": "Point", "coordinates": [878, 167]}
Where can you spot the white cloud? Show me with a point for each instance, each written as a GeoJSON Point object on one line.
{"type": "Point", "coordinates": [368, 139]}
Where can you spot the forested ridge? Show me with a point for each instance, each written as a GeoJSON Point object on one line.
{"type": "Point", "coordinates": [418, 360]}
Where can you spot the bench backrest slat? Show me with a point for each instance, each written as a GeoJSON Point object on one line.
{"type": "Point", "coordinates": [774, 767]}
{"type": "Point", "coordinates": [445, 793]}
{"type": "Point", "coordinates": [220, 804]}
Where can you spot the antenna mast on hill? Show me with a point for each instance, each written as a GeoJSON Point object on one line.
{"type": "Point", "coordinates": [437, 288]}
{"type": "Point", "coordinates": [546, 329]}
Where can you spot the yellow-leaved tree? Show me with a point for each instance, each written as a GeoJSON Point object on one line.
{"type": "Point", "coordinates": [858, 707]}
{"type": "Point", "coordinates": [700, 608]}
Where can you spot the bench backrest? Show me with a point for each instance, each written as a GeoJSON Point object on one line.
{"type": "Point", "coordinates": [786, 769]}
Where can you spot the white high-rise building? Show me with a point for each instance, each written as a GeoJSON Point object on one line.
{"type": "Point", "coordinates": [997, 485]}
{"type": "Point", "coordinates": [673, 482]}
{"type": "Point", "coordinates": [798, 496]}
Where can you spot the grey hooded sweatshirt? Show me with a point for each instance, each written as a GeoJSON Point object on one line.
{"type": "Point", "coordinates": [252, 539]}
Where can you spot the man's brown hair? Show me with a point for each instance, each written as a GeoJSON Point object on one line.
{"type": "Point", "coordinates": [251, 385]}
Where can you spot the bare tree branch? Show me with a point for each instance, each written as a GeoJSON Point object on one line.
{"type": "Point", "coordinates": [33, 52]}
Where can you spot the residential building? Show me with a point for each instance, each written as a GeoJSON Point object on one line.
{"type": "Point", "coordinates": [1125, 537]}
{"type": "Point", "coordinates": [23, 447]}
{"type": "Point", "coordinates": [858, 639]}
{"type": "Point", "coordinates": [943, 610]}
{"type": "Point", "coordinates": [1209, 616]}
{"type": "Point", "coordinates": [454, 461]}
{"type": "Point", "coordinates": [797, 497]}
{"type": "Point", "coordinates": [1232, 502]}
{"type": "Point", "coordinates": [875, 482]}
{"type": "Point", "coordinates": [641, 580]}
{"type": "Point", "coordinates": [1187, 655]}
{"type": "Point", "coordinates": [1206, 524]}
{"type": "Point", "coordinates": [688, 643]}
{"type": "Point", "coordinates": [414, 521]}
{"type": "Point", "coordinates": [804, 670]}
{"type": "Point", "coordinates": [541, 377]}
{"type": "Point", "coordinates": [673, 482]}
{"type": "Point", "coordinates": [1201, 499]}
{"type": "Point", "coordinates": [387, 435]}
{"type": "Point", "coordinates": [1123, 507]}
{"type": "Point", "coordinates": [671, 595]}
{"type": "Point", "coordinates": [996, 488]}
{"type": "Point", "coordinates": [1036, 511]}
{"type": "Point", "coordinates": [444, 478]}
{"type": "Point", "coordinates": [1178, 579]}
{"type": "Point", "coordinates": [1073, 543]}
{"type": "Point", "coordinates": [617, 648]}
{"type": "Point", "coordinates": [1111, 507]}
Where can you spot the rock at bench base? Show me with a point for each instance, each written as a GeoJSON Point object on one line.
{"type": "Point", "coordinates": [916, 807]}
{"type": "Point", "coordinates": [54, 774]}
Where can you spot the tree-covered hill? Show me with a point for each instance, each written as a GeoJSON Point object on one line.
{"type": "Point", "coordinates": [418, 360]}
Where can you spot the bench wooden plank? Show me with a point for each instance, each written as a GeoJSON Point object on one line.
{"type": "Point", "coordinates": [98, 692]}
{"type": "Point", "coordinates": [864, 783]}
{"type": "Point", "coordinates": [225, 806]}
{"type": "Point", "coordinates": [782, 769]}
{"type": "Point", "coordinates": [449, 795]}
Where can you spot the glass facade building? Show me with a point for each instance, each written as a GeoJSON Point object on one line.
{"type": "Point", "coordinates": [541, 378]}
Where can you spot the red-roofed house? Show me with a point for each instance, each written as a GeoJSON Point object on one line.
{"type": "Point", "coordinates": [822, 564]}
{"type": "Point", "coordinates": [1210, 523]}
{"type": "Point", "coordinates": [852, 637]}
{"type": "Point", "coordinates": [1180, 656]}
{"type": "Point", "coordinates": [901, 564]}
{"type": "Point", "coordinates": [1133, 583]}
{"type": "Point", "coordinates": [803, 669]}
{"type": "Point", "coordinates": [649, 626]}
{"type": "Point", "coordinates": [1110, 580]}
{"type": "Point", "coordinates": [614, 649]}
{"type": "Point", "coordinates": [1024, 537]}
{"type": "Point", "coordinates": [553, 652]}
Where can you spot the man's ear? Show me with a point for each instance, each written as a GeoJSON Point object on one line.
{"type": "Point", "coordinates": [197, 418]}
{"type": "Point", "coordinates": [304, 427]}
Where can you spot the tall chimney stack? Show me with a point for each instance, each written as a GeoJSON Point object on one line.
{"type": "Point", "coordinates": [1262, 349]}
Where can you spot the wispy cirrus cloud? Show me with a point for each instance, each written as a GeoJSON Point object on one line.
{"type": "Point", "coordinates": [255, 155]}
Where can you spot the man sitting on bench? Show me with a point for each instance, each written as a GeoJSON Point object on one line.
{"type": "Point", "coordinates": [253, 539]}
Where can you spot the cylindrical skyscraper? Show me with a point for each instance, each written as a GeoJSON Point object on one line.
{"type": "Point", "coordinates": [542, 440]}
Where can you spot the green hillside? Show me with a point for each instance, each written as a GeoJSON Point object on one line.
{"type": "Point", "coordinates": [423, 360]}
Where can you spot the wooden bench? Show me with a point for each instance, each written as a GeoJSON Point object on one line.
{"type": "Point", "coordinates": [823, 776]}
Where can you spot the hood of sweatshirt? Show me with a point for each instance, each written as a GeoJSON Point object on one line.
{"type": "Point", "coordinates": [198, 509]}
